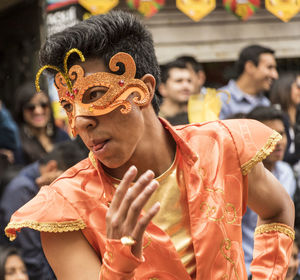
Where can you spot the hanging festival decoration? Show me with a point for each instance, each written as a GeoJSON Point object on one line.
{"type": "Point", "coordinates": [243, 9]}
{"type": "Point", "coordinates": [147, 8]}
{"type": "Point", "coordinates": [196, 9]}
{"type": "Point", "coordinates": [96, 7]}
{"type": "Point", "coordinates": [283, 9]}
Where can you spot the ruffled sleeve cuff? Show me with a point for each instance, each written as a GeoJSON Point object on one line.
{"type": "Point", "coordinates": [253, 141]}
{"type": "Point", "coordinates": [266, 150]}
{"type": "Point", "coordinates": [48, 211]}
{"type": "Point", "coordinates": [118, 262]}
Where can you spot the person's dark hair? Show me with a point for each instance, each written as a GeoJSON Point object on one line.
{"type": "Point", "coordinates": [24, 93]}
{"type": "Point", "coordinates": [239, 115]}
{"type": "Point", "coordinates": [103, 36]}
{"type": "Point", "coordinates": [197, 66]}
{"type": "Point", "coordinates": [8, 172]}
{"type": "Point", "coordinates": [165, 69]}
{"type": "Point", "coordinates": [263, 113]}
{"type": "Point", "coordinates": [66, 154]}
{"type": "Point", "coordinates": [250, 53]}
{"type": "Point", "coordinates": [5, 252]}
{"type": "Point", "coordinates": [281, 90]}
{"type": "Point", "coordinates": [297, 238]}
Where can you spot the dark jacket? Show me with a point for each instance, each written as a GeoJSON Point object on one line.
{"type": "Point", "coordinates": [18, 192]}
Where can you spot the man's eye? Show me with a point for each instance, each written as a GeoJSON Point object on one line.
{"type": "Point", "coordinates": [67, 106]}
{"type": "Point", "coordinates": [94, 95]}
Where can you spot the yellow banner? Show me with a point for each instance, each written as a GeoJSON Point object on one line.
{"type": "Point", "coordinates": [96, 7]}
{"type": "Point", "coordinates": [196, 9]}
{"type": "Point", "coordinates": [283, 9]}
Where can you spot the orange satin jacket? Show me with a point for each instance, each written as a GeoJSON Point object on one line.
{"type": "Point", "coordinates": [213, 161]}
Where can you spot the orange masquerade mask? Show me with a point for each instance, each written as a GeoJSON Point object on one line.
{"type": "Point", "coordinates": [72, 86]}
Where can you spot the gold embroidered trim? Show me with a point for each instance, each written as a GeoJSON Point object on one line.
{"type": "Point", "coordinates": [225, 250]}
{"type": "Point", "coordinates": [148, 241]}
{"type": "Point", "coordinates": [228, 211]}
{"type": "Point", "coordinates": [45, 227]}
{"type": "Point", "coordinates": [275, 227]}
{"type": "Point", "coordinates": [263, 153]}
{"type": "Point", "coordinates": [93, 160]}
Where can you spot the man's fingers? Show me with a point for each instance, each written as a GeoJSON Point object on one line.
{"type": "Point", "coordinates": [132, 195]}
{"type": "Point", "coordinates": [141, 227]}
{"type": "Point", "coordinates": [123, 187]}
{"type": "Point", "coordinates": [139, 203]}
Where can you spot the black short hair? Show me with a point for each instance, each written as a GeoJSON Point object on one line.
{"type": "Point", "coordinates": [103, 36]}
{"type": "Point", "coordinates": [250, 53]}
{"type": "Point", "coordinates": [190, 60]}
{"type": "Point", "coordinates": [66, 154]}
{"type": "Point", "coordinates": [165, 68]}
{"type": "Point", "coordinates": [239, 115]}
{"type": "Point", "coordinates": [281, 90]}
{"type": "Point", "coordinates": [264, 113]}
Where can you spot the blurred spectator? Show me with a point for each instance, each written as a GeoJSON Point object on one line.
{"type": "Point", "coordinates": [23, 188]}
{"type": "Point", "coordinates": [297, 131]}
{"type": "Point", "coordinates": [256, 71]}
{"type": "Point", "coordinates": [176, 87]}
{"type": "Point", "coordinates": [12, 266]}
{"type": "Point", "coordinates": [34, 116]}
{"type": "Point", "coordinates": [9, 145]}
{"type": "Point", "coordinates": [9, 137]}
{"type": "Point", "coordinates": [9, 172]}
{"type": "Point", "coordinates": [198, 71]}
{"type": "Point", "coordinates": [286, 93]}
{"type": "Point", "coordinates": [273, 118]}
{"type": "Point", "coordinates": [292, 273]}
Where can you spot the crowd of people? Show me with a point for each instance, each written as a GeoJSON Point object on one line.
{"type": "Point", "coordinates": [258, 92]}
{"type": "Point", "coordinates": [34, 152]}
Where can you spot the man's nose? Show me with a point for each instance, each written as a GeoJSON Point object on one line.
{"type": "Point", "coordinates": [83, 118]}
{"type": "Point", "coordinates": [85, 122]}
{"type": "Point", "coordinates": [20, 275]}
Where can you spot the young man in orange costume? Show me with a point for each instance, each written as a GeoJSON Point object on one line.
{"type": "Point", "coordinates": [152, 201]}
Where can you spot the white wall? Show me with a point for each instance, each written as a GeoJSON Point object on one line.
{"type": "Point", "coordinates": [220, 36]}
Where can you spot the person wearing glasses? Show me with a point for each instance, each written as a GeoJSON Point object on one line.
{"type": "Point", "coordinates": [34, 116]}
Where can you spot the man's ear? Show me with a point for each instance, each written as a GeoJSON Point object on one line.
{"type": "Point", "coordinates": [249, 68]}
{"type": "Point", "coordinates": [162, 90]}
{"type": "Point", "coordinates": [51, 165]}
{"type": "Point", "coordinates": [150, 82]}
{"type": "Point", "coordinates": [201, 77]}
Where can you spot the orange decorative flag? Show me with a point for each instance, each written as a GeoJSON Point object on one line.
{"type": "Point", "coordinates": [147, 8]}
{"type": "Point", "coordinates": [283, 9]}
{"type": "Point", "coordinates": [96, 7]}
{"type": "Point", "coordinates": [243, 9]}
{"type": "Point", "coordinates": [196, 9]}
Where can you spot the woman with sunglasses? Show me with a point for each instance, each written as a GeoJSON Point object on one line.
{"type": "Point", "coordinates": [34, 117]}
{"type": "Point", "coordinates": [286, 93]}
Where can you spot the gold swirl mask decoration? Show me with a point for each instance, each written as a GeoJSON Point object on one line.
{"type": "Point", "coordinates": [73, 85]}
